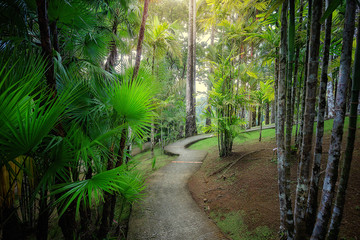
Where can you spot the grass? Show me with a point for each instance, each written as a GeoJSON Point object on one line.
{"type": "Point", "coordinates": [145, 165]}
{"type": "Point", "coordinates": [233, 225]}
{"type": "Point", "coordinates": [267, 134]}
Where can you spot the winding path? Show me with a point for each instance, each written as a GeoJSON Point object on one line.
{"type": "Point", "coordinates": [168, 210]}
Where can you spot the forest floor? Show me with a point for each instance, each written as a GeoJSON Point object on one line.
{"type": "Point", "coordinates": [242, 197]}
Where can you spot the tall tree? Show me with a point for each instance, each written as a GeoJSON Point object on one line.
{"type": "Point", "coordinates": [286, 215]}
{"type": "Point", "coordinates": [309, 117]}
{"type": "Point", "coordinates": [331, 174]}
{"type": "Point", "coordinates": [289, 82]}
{"type": "Point", "coordinates": [314, 183]}
{"type": "Point", "coordinates": [303, 93]}
{"type": "Point", "coordinates": [190, 126]}
{"type": "Point", "coordinates": [338, 209]}
{"type": "Point", "coordinates": [140, 39]}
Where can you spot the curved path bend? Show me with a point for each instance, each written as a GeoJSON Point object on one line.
{"type": "Point", "coordinates": [168, 210]}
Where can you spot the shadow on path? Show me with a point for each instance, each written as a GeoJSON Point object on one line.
{"type": "Point", "coordinates": [168, 210]}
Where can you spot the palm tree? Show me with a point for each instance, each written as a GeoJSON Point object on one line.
{"type": "Point", "coordinates": [338, 209]}
{"type": "Point", "coordinates": [141, 38]}
{"type": "Point", "coordinates": [161, 39]}
{"type": "Point", "coordinates": [263, 95]}
{"type": "Point", "coordinates": [323, 217]}
{"type": "Point", "coordinates": [190, 125]}
{"type": "Point", "coordinates": [314, 183]}
{"type": "Point", "coordinates": [309, 116]}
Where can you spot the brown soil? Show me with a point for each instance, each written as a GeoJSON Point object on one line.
{"type": "Point", "coordinates": [251, 186]}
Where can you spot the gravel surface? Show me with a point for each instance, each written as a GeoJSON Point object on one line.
{"type": "Point", "coordinates": [168, 211]}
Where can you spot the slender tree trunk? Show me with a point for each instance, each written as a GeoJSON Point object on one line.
{"type": "Point", "coordinates": [194, 57]}
{"type": "Point", "coordinates": [276, 89]}
{"type": "Point", "coordinates": [338, 209]}
{"type": "Point", "coordinates": [67, 221]}
{"type": "Point", "coordinates": [43, 21]}
{"type": "Point", "coordinates": [105, 221]}
{"type": "Point", "coordinates": [259, 115]}
{"type": "Point", "coordinates": [289, 82]}
{"type": "Point", "coordinates": [273, 112]}
{"type": "Point", "coordinates": [286, 215]}
{"type": "Point", "coordinates": [309, 116]}
{"type": "Point", "coordinates": [212, 38]}
{"type": "Point", "coordinates": [253, 115]}
{"type": "Point", "coordinates": [330, 179]}
{"type": "Point", "coordinates": [250, 118]}
{"type": "Point", "coordinates": [314, 183]}
{"type": "Point", "coordinates": [260, 123]}
{"type": "Point", "coordinates": [190, 128]}
{"type": "Point", "coordinates": [296, 85]}
{"type": "Point", "coordinates": [152, 131]}
{"type": "Point", "coordinates": [140, 39]}
{"type": "Point", "coordinates": [267, 113]}
{"type": "Point", "coordinates": [85, 214]}
{"type": "Point", "coordinates": [300, 137]}
{"type": "Point", "coordinates": [111, 60]}
{"type": "Point", "coordinates": [330, 95]}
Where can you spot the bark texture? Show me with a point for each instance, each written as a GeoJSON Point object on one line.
{"type": "Point", "coordinates": [190, 127]}
{"type": "Point", "coordinates": [314, 182]}
{"type": "Point", "coordinates": [140, 39]}
{"type": "Point", "coordinates": [345, 172]}
{"type": "Point", "coordinates": [309, 116]}
{"type": "Point", "coordinates": [286, 216]}
{"type": "Point", "coordinates": [111, 60]}
{"type": "Point", "coordinates": [44, 27]}
{"type": "Point", "coordinates": [289, 82]}
{"type": "Point", "coordinates": [331, 174]}
{"type": "Point", "coordinates": [300, 137]}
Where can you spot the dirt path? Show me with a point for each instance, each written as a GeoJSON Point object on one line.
{"type": "Point", "coordinates": [168, 210]}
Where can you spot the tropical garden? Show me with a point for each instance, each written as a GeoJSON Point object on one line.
{"type": "Point", "coordinates": [85, 82]}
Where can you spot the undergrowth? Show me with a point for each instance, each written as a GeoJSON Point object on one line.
{"type": "Point", "coordinates": [233, 225]}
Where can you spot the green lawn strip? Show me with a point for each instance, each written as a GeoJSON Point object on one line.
{"type": "Point", "coordinates": [233, 225]}
{"type": "Point", "coordinates": [211, 143]}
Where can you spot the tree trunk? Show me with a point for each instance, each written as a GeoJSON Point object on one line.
{"type": "Point", "coordinates": [260, 124]}
{"type": "Point", "coordinates": [259, 115]}
{"type": "Point", "coordinates": [85, 214]}
{"type": "Point", "coordinates": [249, 117]}
{"type": "Point", "coordinates": [267, 113]}
{"type": "Point", "coordinates": [140, 39]}
{"type": "Point", "coordinates": [111, 60]}
{"type": "Point", "coordinates": [105, 222]}
{"type": "Point", "coordinates": [330, 178]}
{"type": "Point", "coordinates": [330, 96]}
{"type": "Point", "coordinates": [338, 209]}
{"type": "Point", "coordinates": [289, 82]}
{"type": "Point", "coordinates": [286, 216]}
{"type": "Point", "coordinates": [273, 112]}
{"type": "Point", "coordinates": [253, 115]}
{"type": "Point", "coordinates": [43, 21]}
{"type": "Point", "coordinates": [300, 137]}
{"type": "Point", "coordinates": [297, 82]}
{"type": "Point", "coordinates": [275, 109]}
{"type": "Point", "coordinates": [309, 117]}
{"type": "Point", "coordinates": [190, 128]}
{"type": "Point", "coordinates": [208, 119]}
{"type": "Point", "coordinates": [314, 183]}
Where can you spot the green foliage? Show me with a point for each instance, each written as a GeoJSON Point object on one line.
{"type": "Point", "coordinates": [233, 225]}
{"type": "Point", "coordinates": [225, 102]}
